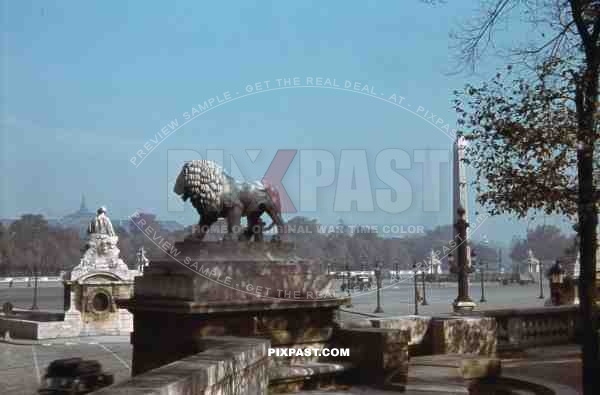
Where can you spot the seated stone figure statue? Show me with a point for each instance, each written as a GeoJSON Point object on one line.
{"type": "Point", "coordinates": [101, 251]}
{"type": "Point", "coordinates": [101, 224]}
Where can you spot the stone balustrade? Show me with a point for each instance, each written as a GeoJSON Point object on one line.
{"type": "Point", "coordinates": [438, 335]}
{"type": "Point", "coordinates": [533, 327]}
{"type": "Point", "coordinates": [228, 366]}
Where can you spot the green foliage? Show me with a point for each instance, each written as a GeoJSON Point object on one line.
{"type": "Point", "coordinates": [523, 142]}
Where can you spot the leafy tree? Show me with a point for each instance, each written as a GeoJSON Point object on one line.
{"type": "Point", "coordinates": [29, 236]}
{"type": "Point", "coordinates": [63, 250]}
{"type": "Point", "coordinates": [537, 135]}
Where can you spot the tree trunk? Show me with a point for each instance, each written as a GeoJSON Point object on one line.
{"type": "Point", "coordinates": [587, 106]}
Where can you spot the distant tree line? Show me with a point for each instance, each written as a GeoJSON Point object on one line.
{"type": "Point", "coordinates": [29, 244]}
{"type": "Point", "coordinates": [547, 244]}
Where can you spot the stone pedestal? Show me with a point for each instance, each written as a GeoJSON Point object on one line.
{"type": "Point", "coordinates": [92, 287]}
{"type": "Point", "coordinates": [228, 288]}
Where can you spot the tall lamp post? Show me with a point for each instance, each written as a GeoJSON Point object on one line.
{"type": "Point", "coordinates": [348, 283]}
{"type": "Point", "coordinates": [463, 302]}
{"type": "Point", "coordinates": [481, 274]}
{"type": "Point", "coordinates": [541, 270]}
{"type": "Point", "coordinates": [378, 267]}
{"type": "Point", "coordinates": [34, 305]}
{"type": "Point", "coordinates": [499, 267]}
{"type": "Point", "coordinates": [424, 302]}
{"type": "Point", "coordinates": [416, 288]}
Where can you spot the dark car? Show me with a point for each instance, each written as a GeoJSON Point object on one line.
{"type": "Point", "coordinates": [74, 376]}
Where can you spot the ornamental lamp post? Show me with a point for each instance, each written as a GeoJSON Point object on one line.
{"type": "Point", "coordinates": [463, 302]}
{"type": "Point", "coordinates": [481, 274]}
{"type": "Point", "coordinates": [378, 268]}
{"type": "Point", "coordinates": [348, 283]}
{"type": "Point", "coordinates": [424, 302]}
{"type": "Point", "coordinates": [34, 305]}
{"type": "Point", "coordinates": [416, 288]}
{"type": "Point", "coordinates": [541, 269]}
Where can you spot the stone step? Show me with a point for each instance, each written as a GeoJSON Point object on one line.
{"type": "Point", "coordinates": [456, 367]}
{"type": "Point", "coordinates": [306, 375]}
{"type": "Point", "coordinates": [449, 373]}
{"type": "Point", "coordinates": [435, 389]}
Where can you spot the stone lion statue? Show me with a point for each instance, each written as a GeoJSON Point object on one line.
{"type": "Point", "coordinates": [215, 194]}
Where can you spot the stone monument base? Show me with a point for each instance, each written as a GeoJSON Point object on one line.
{"type": "Point", "coordinates": [235, 289]}
{"type": "Point", "coordinates": [463, 307]}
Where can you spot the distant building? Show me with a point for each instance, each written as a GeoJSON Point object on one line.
{"type": "Point", "coordinates": [79, 219]}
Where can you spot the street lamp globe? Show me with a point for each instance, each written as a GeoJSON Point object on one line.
{"type": "Point", "coordinates": [556, 273]}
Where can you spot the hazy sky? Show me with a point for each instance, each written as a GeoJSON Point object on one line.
{"type": "Point", "coordinates": [85, 86]}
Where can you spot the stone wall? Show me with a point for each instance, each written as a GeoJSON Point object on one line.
{"type": "Point", "coordinates": [285, 324]}
{"type": "Point", "coordinates": [534, 327]}
{"type": "Point", "coordinates": [417, 327]}
{"type": "Point", "coordinates": [84, 316]}
{"type": "Point", "coordinates": [229, 289]}
{"type": "Point", "coordinates": [228, 366]}
{"type": "Point", "coordinates": [42, 328]}
{"type": "Point", "coordinates": [439, 335]}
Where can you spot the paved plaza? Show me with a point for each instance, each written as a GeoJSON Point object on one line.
{"type": "Point", "coordinates": [22, 363]}
{"type": "Point", "coordinates": [397, 299]}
